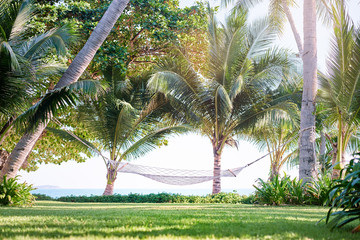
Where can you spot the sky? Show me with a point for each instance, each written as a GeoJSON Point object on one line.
{"type": "Point", "coordinates": [188, 151]}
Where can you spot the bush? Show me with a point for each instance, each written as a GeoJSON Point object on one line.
{"type": "Point", "coordinates": [318, 190]}
{"type": "Point", "coordinates": [345, 194]}
{"type": "Point", "coordinates": [42, 196]}
{"type": "Point", "coordinates": [13, 193]}
{"type": "Point", "coordinates": [280, 191]}
{"type": "Point", "coordinates": [233, 198]}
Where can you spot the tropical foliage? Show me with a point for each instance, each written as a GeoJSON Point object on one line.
{"type": "Point", "coordinates": [13, 193]}
{"type": "Point", "coordinates": [280, 191]}
{"type": "Point", "coordinates": [284, 190]}
{"type": "Point", "coordinates": [345, 195]}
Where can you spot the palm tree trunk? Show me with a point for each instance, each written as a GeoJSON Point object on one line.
{"type": "Point", "coordinates": [5, 130]}
{"type": "Point", "coordinates": [20, 152]}
{"type": "Point", "coordinates": [96, 39]}
{"type": "Point", "coordinates": [275, 170]}
{"type": "Point", "coordinates": [111, 177]}
{"type": "Point", "coordinates": [336, 171]}
{"type": "Point", "coordinates": [307, 157]}
{"type": "Point", "coordinates": [217, 171]}
{"type": "Point", "coordinates": [72, 74]}
{"type": "Point", "coordinates": [322, 151]}
{"type": "Point", "coordinates": [293, 26]}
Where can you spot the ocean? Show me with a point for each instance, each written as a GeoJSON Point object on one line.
{"type": "Point", "coordinates": [60, 192]}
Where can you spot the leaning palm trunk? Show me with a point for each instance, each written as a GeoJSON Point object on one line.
{"type": "Point", "coordinates": [72, 74]}
{"type": "Point", "coordinates": [293, 26]}
{"type": "Point", "coordinates": [307, 163]}
{"type": "Point", "coordinates": [111, 177]}
{"type": "Point", "coordinates": [20, 152]}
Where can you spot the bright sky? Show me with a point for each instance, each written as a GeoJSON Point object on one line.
{"type": "Point", "coordinates": [183, 152]}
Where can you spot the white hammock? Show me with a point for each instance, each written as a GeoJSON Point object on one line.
{"type": "Point", "coordinates": [174, 176]}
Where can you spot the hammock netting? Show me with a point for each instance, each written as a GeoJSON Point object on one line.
{"type": "Point", "coordinates": [174, 176]}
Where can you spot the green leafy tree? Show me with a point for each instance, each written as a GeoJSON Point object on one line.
{"type": "Point", "coordinates": [235, 92]}
{"type": "Point", "coordinates": [145, 31]}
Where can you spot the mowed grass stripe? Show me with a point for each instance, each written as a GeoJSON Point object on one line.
{"type": "Point", "coordinates": [55, 220]}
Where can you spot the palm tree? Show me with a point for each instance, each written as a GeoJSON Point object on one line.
{"type": "Point", "coordinates": [72, 74]}
{"type": "Point", "coordinates": [278, 11]}
{"type": "Point", "coordinates": [126, 120]}
{"type": "Point", "coordinates": [22, 60]}
{"type": "Point", "coordinates": [22, 63]}
{"type": "Point", "coordinates": [279, 139]}
{"type": "Point", "coordinates": [235, 92]}
{"type": "Point", "coordinates": [340, 87]}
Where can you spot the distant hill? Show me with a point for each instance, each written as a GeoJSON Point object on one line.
{"type": "Point", "coordinates": [47, 187]}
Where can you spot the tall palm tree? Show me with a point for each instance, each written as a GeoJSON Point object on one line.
{"type": "Point", "coordinates": [340, 87]}
{"type": "Point", "coordinates": [278, 11]}
{"type": "Point", "coordinates": [237, 89]}
{"type": "Point", "coordinates": [72, 74]}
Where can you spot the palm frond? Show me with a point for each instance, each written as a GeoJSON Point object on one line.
{"type": "Point", "coordinates": [150, 141]}
{"type": "Point", "coordinates": [243, 4]}
{"type": "Point", "coordinates": [24, 13]}
{"type": "Point", "coordinates": [324, 11]}
{"type": "Point", "coordinates": [7, 51]}
{"type": "Point", "coordinates": [261, 37]}
{"type": "Point", "coordinates": [14, 15]}
{"type": "Point", "coordinates": [79, 143]}
{"type": "Point", "coordinates": [54, 102]}
{"type": "Point", "coordinates": [55, 38]}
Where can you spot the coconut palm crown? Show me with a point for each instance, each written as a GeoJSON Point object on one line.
{"type": "Point", "coordinates": [237, 90]}
{"type": "Point", "coordinates": [126, 120]}
{"type": "Point", "coordinates": [22, 58]}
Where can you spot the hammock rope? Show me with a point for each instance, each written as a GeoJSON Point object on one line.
{"type": "Point", "coordinates": [173, 176]}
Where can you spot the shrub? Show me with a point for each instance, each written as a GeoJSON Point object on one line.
{"type": "Point", "coordinates": [13, 193]}
{"type": "Point", "coordinates": [318, 190]}
{"type": "Point", "coordinates": [279, 191]}
{"type": "Point", "coordinates": [345, 194]}
{"type": "Point", "coordinates": [233, 198]}
{"type": "Point", "coordinates": [42, 196]}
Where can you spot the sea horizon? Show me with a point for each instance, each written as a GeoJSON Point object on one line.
{"type": "Point", "coordinates": [61, 192]}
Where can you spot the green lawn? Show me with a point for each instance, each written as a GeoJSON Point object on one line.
{"type": "Point", "coordinates": [54, 220]}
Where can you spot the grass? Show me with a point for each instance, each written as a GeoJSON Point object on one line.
{"type": "Point", "coordinates": [54, 220]}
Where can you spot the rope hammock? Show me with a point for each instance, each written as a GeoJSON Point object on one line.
{"type": "Point", "coordinates": [174, 176]}
{"type": "Point", "coordinates": [168, 175]}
